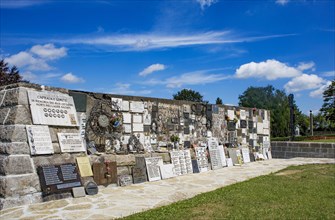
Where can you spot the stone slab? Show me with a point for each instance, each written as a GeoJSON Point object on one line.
{"type": "Point", "coordinates": [19, 185]}
{"type": "Point", "coordinates": [15, 164]}
{"type": "Point", "coordinates": [15, 115]}
{"type": "Point", "coordinates": [14, 148]}
{"type": "Point", "coordinates": [78, 192]}
{"type": "Point", "coordinates": [12, 97]}
{"type": "Point", "coordinates": [13, 133]}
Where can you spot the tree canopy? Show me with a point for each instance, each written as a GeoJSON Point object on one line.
{"type": "Point", "coordinates": [218, 101]}
{"type": "Point", "coordinates": [277, 102]}
{"type": "Point", "coordinates": [9, 75]}
{"type": "Point", "coordinates": [328, 107]}
{"type": "Point", "coordinates": [188, 95]}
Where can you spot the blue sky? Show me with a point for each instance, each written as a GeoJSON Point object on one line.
{"type": "Point", "coordinates": [156, 48]}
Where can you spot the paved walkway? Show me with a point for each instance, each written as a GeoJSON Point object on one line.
{"type": "Point", "coordinates": [112, 202]}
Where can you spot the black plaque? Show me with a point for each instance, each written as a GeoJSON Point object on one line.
{"type": "Point", "coordinates": [146, 128]}
{"type": "Point", "coordinates": [186, 115]}
{"type": "Point", "coordinates": [231, 126]}
{"type": "Point", "coordinates": [58, 178]}
{"type": "Point", "coordinates": [187, 144]}
{"type": "Point", "coordinates": [187, 130]}
{"type": "Point", "coordinates": [252, 157]}
{"type": "Point", "coordinates": [155, 108]}
{"type": "Point", "coordinates": [243, 123]}
{"type": "Point", "coordinates": [250, 125]}
{"type": "Point", "coordinates": [195, 166]}
{"type": "Point", "coordinates": [91, 188]}
{"type": "Point", "coordinates": [80, 101]}
{"type": "Point", "coordinates": [139, 171]}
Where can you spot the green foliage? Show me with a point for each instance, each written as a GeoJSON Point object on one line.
{"type": "Point", "coordinates": [298, 192]}
{"type": "Point", "coordinates": [218, 101]}
{"type": "Point", "coordinates": [188, 95]}
{"type": "Point", "coordinates": [9, 75]}
{"type": "Point", "coordinates": [328, 107]}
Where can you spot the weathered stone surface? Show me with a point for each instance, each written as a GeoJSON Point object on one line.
{"type": "Point", "coordinates": [13, 133]}
{"type": "Point", "coordinates": [20, 200]}
{"type": "Point", "coordinates": [15, 164]}
{"type": "Point", "coordinates": [78, 192]}
{"type": "Point", "coordinates": [14, 148]}
{"type": "Point", "coordinates": [19, 185]}
{"type": "Point", "coordinates": [54, 159]}
{"type": "Point", "coordinates": [19, 114]}
{"type": "Point", "coordinates": [123, 170]}
{"type": "Point", "coordinates": [15, 96]}
{"type": "Point", "coordinates": [56, 148]}
{"type": "Point", "coordinates": [166, 156]}
{"type": "Point", "coordinates": [122, 160]}
{"type": "Point", "coordinates": [54, 130]}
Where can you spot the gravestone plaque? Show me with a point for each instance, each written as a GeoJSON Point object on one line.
{"type": "Point", "coordinates": [80, 100]}
{"type": "Point", "coordinates": [137, 107]}
{"type": "Point", "coordinates": [231, 126]}
{"type": "Point", "coordinates": [229, 162]}
{"type": "Point", "coordinates": [39, 140]}
{"type": "Point", "coordinates": [195, 166]}
{"type": "Point", "coordinates": [187, 144]}
{"type": "Point", "coordinates": [250, 125]}
{"type": "Point", "coordinates": [78, 192]}
{"type": "Point", "coordinates": [176, 162]}
{"type": "Point", "coordinates": [105, 173]}
{"type": "Point", "coordinates": [201, 155]}
{"type": "Point", "coordinates": [58, 178]}
{"type": "Point", "coordinates": [182, 161]}
{"type": "Point", "coordinates": [71, 142]}
{"type": "Point", "coordinates": [125, 180]}
{"type": "Point", "coordinates": [188, 161]}
{"type": "Point", "coordinates": [167, 171]}
{"type": "Point", "coordinates": [269, 154]}
{"type": "Point", "coordinates": [214, 153]}
{"type": "Point", "coordinates": [243, 123]}
{"type": "Point", "coordinates": [252, 157]}
{"type": "Point", "coordinates": [116, 104]}
{"type": "Point", "coordinates": [222, 155]}
{"type": "Point", "coordinates": [186, 130]}
{"type": "Point", "coordinates": [232, 155]}
{"type": "Point", "coordinates": [91, 188]}
{"type": "Point", "coordinates": [153, 164]}
{"type": "Point", "coordinates": [245, 155]}
{"type": "Point", "coordinates": [50, 108]}
{"type": "Point", "coordinates": [84, 166]}
{"type": "Point", "coordinates": [139, 171]}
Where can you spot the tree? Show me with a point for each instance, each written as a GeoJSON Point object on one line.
{"type": "Point", "coordinates": [188, 95]}
{"type": "Point", "coordinates": [9, 75]}
{"type": "Point", "coordinates": [218, 101]}
{"type": "Point", "coordinates": [271, 99]}
{"type": "Point", "coordinates": [328, 107]}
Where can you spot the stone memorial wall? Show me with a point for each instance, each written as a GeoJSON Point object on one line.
{"type": "Point", "coordinates": [54, 139]}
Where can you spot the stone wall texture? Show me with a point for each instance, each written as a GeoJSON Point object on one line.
{"type": "Point", "coordinates": [285, 149]}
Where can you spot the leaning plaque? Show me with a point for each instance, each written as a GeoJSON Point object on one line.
{"type": "Point", "coordinates": [58, 178]}
{"type": "Point", "coordinates": [39, 139]}
{"type": "Point", "coordinates": [214, 153]}
{"type": "Point", "coordinates": [176, 162]}
{"type": "Point", "coordinates": [71, 142]}
{"type": "Point", "coordinates": [139, 170]}
{"type": "Point", "coordinates": [245, 155]}
{"type": "Point", "coordinates": [153, 164]}
{"type": "Point", "coordinates": [50, 108]}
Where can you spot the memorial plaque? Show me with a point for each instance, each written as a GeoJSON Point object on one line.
{"type": "Point", "coordinates": [126, 118]}
{"type": "Point", "coordinates": [176, 162]}
{"type": "Point", "coordinates": [84, 165]}
{"type": "Point", "coordinates": [105, 173]}
{"type": "Point", "coordinates": [167, 171]}
{"type": "Point", "coordinates": [80, 100]}
{"type": "Point", "coordinates": [139, 171]}
{"type": "Point", "coordinates": [138, 128]}
{"type": "Point", "coordinates": [229, 162]}
{"type": "Point", "coordinates": [50, 108]}
{"type": "Point", "coordinates": [245, 155]}
{"type": "Point", "coordinates": [91, 188]}
{"type": "Point", "coordinates": [260, 128]}
{"type": "Point", "coordinates": [125, 180]}
{"type": "Point", "coordinates": [153, 164]}
{"type": "Point", "coordinates": [71, 142]}
{"type": "Point", "coordinates": [182, 161]}
{"type": "Point", "coordinates": [195, 166]}
{"type": "Point", "coordinates": [187, 144]}
{"type": "Point", "coordinates": [250, 125]}
{"type": "Point", "coordinates": [58, 178]}
{"type": "Point", "coordinates": [214, 153]}
{"type": "Point", "coordinates": [252, 157]}
{"type": "Point", "coordinates": [233, 155]}
{"type": "Point", "coordinates": [188, 161]}
{"type": "Point", "coordinates": [137, 107]}
{"type": "Point", "coordinates": [231, 126]}
{"type": "Point", "coordinates": [222, 155]}
{"type": "Point", "coordinates": [243, 114]}
{"type": "Point", "coordinates": [39, 140]}
{"type": "Point", "coordinates": [78, 192]}
{"type": "Point", "coordinates": [243, 123]}
{"type": "Point", "coordinates": [127, 128]}
{"type": "Point", "coordinates": [137, 119]}
{"type": "Point", "coordinates": [116, 104]}
{"type": "Point", "coordinates": [231, 114]}
{"type": "Point", "coordinates": [201, 155]}
{"type": "Point", "coordinates": [82, 125]}
{"type": "Point", "coordinates": [125, 105]}
{"type": "Point", "coordinates": [186, 130]}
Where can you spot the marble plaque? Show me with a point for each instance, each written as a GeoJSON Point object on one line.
{"type": "Point", "coordinates": [214, 153]}
{"type": "Point", "coordinates": [188, 161]}
{"type": "Point", "coordinates": [71, 142]}
{"type": "Point", "coordinates": [58, 178]}
{"type": "Point", "coordinates": [167, 171]}
{"type": "Point", "coordinates": [260, 129]}
{"type": "Point", "coordinates": [229, 162]}
{"type": "Point", "coordinates": [201, 155]}
{"type": "Point", "coordinates": [125, 105]}
{"type": "Point", "coordinates": [176, 162]}
{"type": "Point", "coordinates": [146, 118]}
{"type": "Point", "coordinates": [222, 155]}
{"type": "Point", "coordinates": [137, 119]}
{"type": "Point", "coordinates": [84, 165]}
{"type": "Point", "coordinates": [269, 154]}
{"type": "Point", "coordinates": [138, 128]}
{"type": "Point", "coordinates": [139, 170]}
{"type": "Point", "coordinates": [126, 118]}
{"type": "Point", "coordinates": [153, 164]}
{"type": "Point", "coordinates": [82, 125]}
{"type": "Point", "coordinates": [117, 104]}
{"type": "Point", "coordinates": [50, 108]}
{"type": "Point", "coordinates": [80, 100]}
{"type": "Point", "coordinates": [39, 139]}
{"type": "Point", "coordinates": [137, 107]}
{"type": "Point", "coordinates": [231, 114]}
{"type": "Point", "coordinates": [245, 155]}
{"type": "Point", "coordinates": [127, 128]}
{"type": "Point", "coordinates": [232, 155]}
{"type": "Point", "coordinates": [243, 115]}
{"type": "Point", "coordinates": [182, 161]}
{"type": "Point", "coordinates": [125, 180]}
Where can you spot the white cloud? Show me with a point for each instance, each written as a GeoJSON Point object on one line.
{"type": "Point", "coordinates": [39, 78]}
{"type": "Point", "coordinates": [49, 51]}
{"type": "Point", "coordinates": [329, 74]}
{"type": "Point", "coordinates": [206, 3]}
{"type": "Point", "coordinates": [124, 89]}
{"type": "Point", "coordinates": [20, 3]}
{"type": "Point", "coordinates": [36, 58]}
{"type": "Point", "coordinates": [201, 77]}
{"type": "Point", "coordinates": [151, 41]}
{"type": "Point", "coordinates": [304, 82]}
{"type": "Point", "coordinates": [319, 92]}
{"type": "Point", "coordinates": [306, 66]}
{"type": "Point", "coordinates": [70, 78]}
{"type": "Point", "coordinates": [152, 68]}
{"type": "Point", "coordinates": [282, 2]}
{"type": "Point", "coordinates": [270, 70]}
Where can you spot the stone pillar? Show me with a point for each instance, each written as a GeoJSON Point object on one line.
{"type": "Point", "coordinates": [19, 183]}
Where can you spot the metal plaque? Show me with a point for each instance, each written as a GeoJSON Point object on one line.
{"type": "Point", "coordinates": [105, 173]}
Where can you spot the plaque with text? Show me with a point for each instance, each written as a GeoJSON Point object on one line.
{"type": "Point", "coordinates": [105, 173]}
{"type": "Point", "coordinates": [201, 155]}
{"type": "Point", "coordinates": [58, 178]}
{"type": "Point", "coordinates": [50, 108]}
{"type": "Point", "coordinates": [71, 142]}
{"type": "Point", "coordinates": [245, 155]}
{"type": "Point", "coordinates": [125, 180]}
{"type": "Point", "coordinates": [176, 162]}
{"type": "Point", "coordinates": [214, 153]}
{"type": "Point", "coordinates": [137, 107]}
{"type": "Point", "coordinates": [167, 171]}
{"type": "Point", "coordinates": [153, 164]}
{"type": "Point", "coordinates": [139, 171]}
{"type": "Point", "coordinates": [188, 161]}
{"type": "Point", "coordinates": [84, 166]}
{"type": "Point", "coordinates": [39, 139]}
{"type": "Point", "coordinates": [182, 162]}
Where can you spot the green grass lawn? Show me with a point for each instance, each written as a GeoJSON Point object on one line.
{"type": "Point", "coordinates": [299, 192]}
